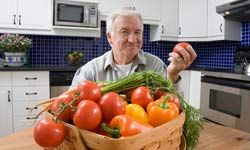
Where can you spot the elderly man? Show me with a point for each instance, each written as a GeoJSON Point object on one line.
{"type": "Point", "coordinates": [124, 34]}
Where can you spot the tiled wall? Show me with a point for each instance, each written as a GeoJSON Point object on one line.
{"type": "Point", "coordinates": [51, 50]}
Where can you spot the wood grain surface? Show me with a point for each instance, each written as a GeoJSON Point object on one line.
{"type": "Point", "coordinates": [213, 137]}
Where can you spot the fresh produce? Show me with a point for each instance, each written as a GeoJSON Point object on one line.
{"type": "Point", "coordinates": [111, 105]}
{"type": "Point", "coordinates": [194, 121]}
{"type": "Point", "coordinates": [136, 111]}
{"type": "Point", "coordinates": [49, 134]}
{"type": "Point", "coordinates": [123, 125]}
{"type": "Point", "coordinates": [57, 107]}
{"type": "Point", "coordinates": [141, 96]}
{"type": "Point", "coordinates": [88, 115]}
{"type": "Point", "coordinates": [161, 111]}
{"type": "Point", "coordinates": [149, 80]}
{"type": "Point", "coordinates": [89, 90]}
{"type": "Point", "coordinates": [181, 44]}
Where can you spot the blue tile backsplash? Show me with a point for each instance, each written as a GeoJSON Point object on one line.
{"type": "Point", "coordinates": [50, 51]}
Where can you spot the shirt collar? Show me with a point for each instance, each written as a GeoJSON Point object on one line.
{"type": "Point", "coordinates": [140, 59]}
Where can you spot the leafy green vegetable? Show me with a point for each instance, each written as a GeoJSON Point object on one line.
{"type": "Point", "coordinates": [194, 121]}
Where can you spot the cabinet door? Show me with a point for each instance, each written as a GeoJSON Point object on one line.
{"type": "Point", "coordinates": [215, 21]}
{"type": "Point", "coordinates": [106, 6]}
{"type": "Point", "coordinates": [8, 14]}
{"type": "Point", "coordinates": [169, 18]}
{"type": "Point", "coordinates": [35, 14]}
{"type": "Point", "coordinates": [192, 18]}
{"type": "Point", "coordinates": [5, 111]}
{"type": "Point", "coordinates": [150, 9]}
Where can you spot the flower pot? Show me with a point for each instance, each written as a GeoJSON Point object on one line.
{"type": "Point", "coordinates": [14, 59]}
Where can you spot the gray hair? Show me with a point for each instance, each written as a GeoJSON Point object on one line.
{"type": "Point", "coordinates": [126, 11]}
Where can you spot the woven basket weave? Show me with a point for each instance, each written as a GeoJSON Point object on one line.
{"type": "Point", "coordinates": [165, 137]}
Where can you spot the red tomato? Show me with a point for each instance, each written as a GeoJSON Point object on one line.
{"type": "Point", "coordinates": [89, 90]}
{"type": "Point", "coordinates": [57, 104]}
{"type": "Point", "coordinates": [88, 115]}
{"type": "Point", "coordinates": [173, 98]}
{"type": "Point", "coordinates": [49, 134]}
{"type": "Point", "coordinates": [159, 93]}
{"type": "Point", "coordinates": [181, 44]}
{"type": "Point", "coordinates": [141, 96]}
{"type": "Point", "coordinates": [111, 105]}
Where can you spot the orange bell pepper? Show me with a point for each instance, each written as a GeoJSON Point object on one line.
{"type": "Point", "coordinates": [123, 125]}
{"type": "Point", "coordinates": [161, 111]}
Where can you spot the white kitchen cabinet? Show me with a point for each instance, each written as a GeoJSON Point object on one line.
{"type": "Point", "coordinates": [24, 90]}
{"type": "Point", "coordinates": [189, 87]}
{"type": "Point", "coordinates": [26, 14]}
{"type": "Point", "coordinates": [181, 20]}
{"type": "Point", "coordinates": [220, 28]}
{"type": "Point", "coordinates": [5, 104]}
{"type": "Point", "coordinates": [149, 9]}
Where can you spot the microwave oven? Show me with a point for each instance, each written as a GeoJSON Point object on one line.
{"type": "Point", "coordinates": [75, 13]}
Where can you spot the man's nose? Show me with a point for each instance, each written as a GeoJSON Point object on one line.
{"type": "Point", "coordinates": [131, 38]}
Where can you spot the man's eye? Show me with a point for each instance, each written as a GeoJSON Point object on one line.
{"type": "Point", "coordinates": [124, 32]}
{"type": "Point", "coordinates": [138, 33]}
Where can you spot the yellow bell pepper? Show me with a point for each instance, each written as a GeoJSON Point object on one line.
{"type": "Point", "coordinates": [137, 112]}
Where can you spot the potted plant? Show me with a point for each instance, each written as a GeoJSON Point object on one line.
{"type": "Point", "coordinates": [74, 58]}
{"type": "Point", "coordinates": [14, 47]}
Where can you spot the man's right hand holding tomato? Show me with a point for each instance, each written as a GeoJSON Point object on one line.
{"type": "Point", "coordinates": [180, 58]}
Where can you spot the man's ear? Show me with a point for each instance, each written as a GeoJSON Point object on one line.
{"type": "Point", "coordinates": [109, 38]}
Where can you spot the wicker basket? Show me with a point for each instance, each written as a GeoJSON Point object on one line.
{"type": "Point", "coordinates": [164, 137]}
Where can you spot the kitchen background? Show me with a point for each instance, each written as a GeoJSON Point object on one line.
{"type": "Point", "coordinates": [51, 50]}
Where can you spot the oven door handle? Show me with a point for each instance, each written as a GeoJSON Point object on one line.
{"type": "Point", "coordinates": [227, 82]}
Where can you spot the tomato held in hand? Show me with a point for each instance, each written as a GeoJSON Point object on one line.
{"type": "Point", "coordinates": [181, 44]}
{"type": "Point", "coordinates": [111, 105]}
{"type": "Point", "coordinates": [49, 134]}
{"type": "Point", "coordinates": [88, 115]}
{"type": "Point", "coordinates": [141, 96]}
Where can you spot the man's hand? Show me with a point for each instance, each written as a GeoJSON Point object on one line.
{"type": "Point", "coordinates": [180, 59]}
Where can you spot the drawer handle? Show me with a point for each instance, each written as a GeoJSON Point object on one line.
{"type": "Point", "coordinates": [35, 78]}
{"type": "Point", "coordinates": [35, 93]}
{"type": "Point", "coordinates": [31, 108]}
{"type": "Point", "coordinates": [8, 96]}
{"type": "Point", "coordinates": [28, 118]}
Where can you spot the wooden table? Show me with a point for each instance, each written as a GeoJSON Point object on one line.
{"type": "Point", "coordinates": [213, 137]}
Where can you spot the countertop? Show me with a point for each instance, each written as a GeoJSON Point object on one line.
{"type": "Point", "coordinates": [213, 137]}
{"type": "Point", "coordinates": [34, 68]}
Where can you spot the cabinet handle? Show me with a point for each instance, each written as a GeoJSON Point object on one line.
{"type": "Point", "coordinates": [19, 19]}
{"type": "Point", "coordinates": [8, 96]}
{"type": "Point", "coordinates": [14, 20]}
{"type": "Point", "coordinates": [35, 93]}
{"type": "Point", "coordinates": [179, 30]}
{"type": "Point", "coordinates": [134, 7]}
{"type": "Point", "coordinates": [221, 27]}
{"type": "Point", "coordinates": [31, 108]}
{"type": "Point", "coordinates": [35, 78]}
{"type": "Point", "coordinates": [162, 29]}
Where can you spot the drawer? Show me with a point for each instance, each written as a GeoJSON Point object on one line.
{"type": "Point", "coordinates": [5, 78]}
{"type": "Point", "coordinates": [22, 108]}
{"type": "Point", "coordinates": [29, 78]}
{"type": "Point", "coordinates": [21, 122]}
{"type": "Point", "coordinates": [30, 93]}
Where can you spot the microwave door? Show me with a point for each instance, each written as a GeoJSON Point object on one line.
{"type": "Point", "coordinates": [70, 15]}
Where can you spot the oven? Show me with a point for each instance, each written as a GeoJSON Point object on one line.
{"type": "Point", "coordinates": [60, 82]}
{"type": "Point", "coordinates": [225, 99]}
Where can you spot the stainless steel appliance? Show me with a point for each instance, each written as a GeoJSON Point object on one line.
{"type": "Point", "coordinates": [225, 95]}
{"type": "Point", "coordinates": [238, 10]}
{"type": "Point", "coordinates": [75, 13]}
{"type": "Point", "coordinates": [60, 82]}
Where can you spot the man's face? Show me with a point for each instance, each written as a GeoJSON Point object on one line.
{"type": "Point", "coordinates": [126, 38]}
